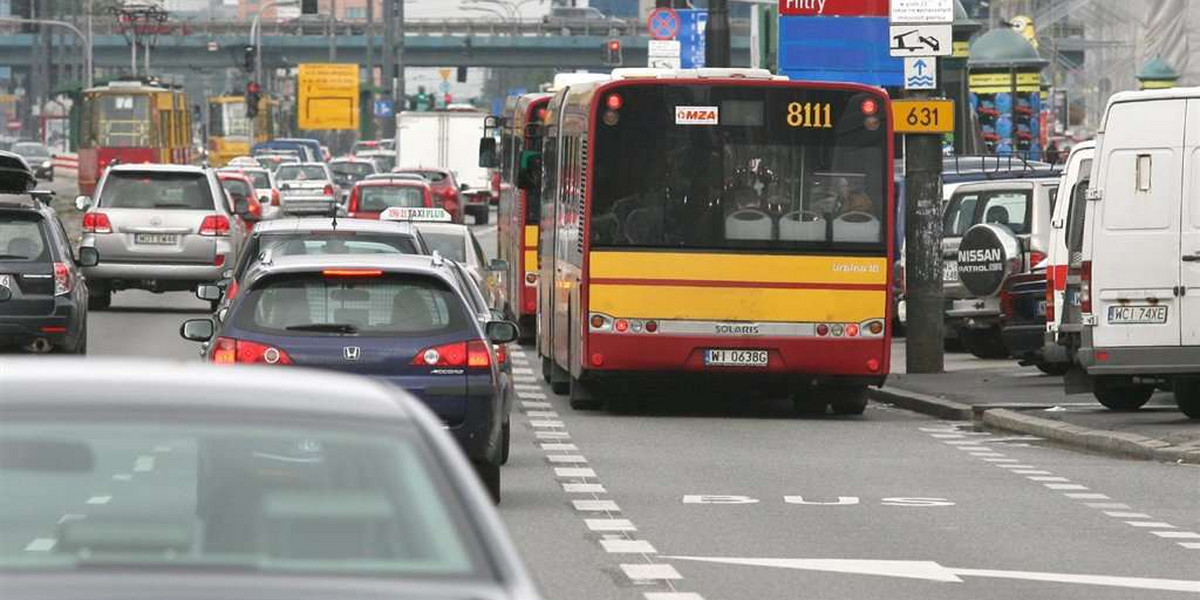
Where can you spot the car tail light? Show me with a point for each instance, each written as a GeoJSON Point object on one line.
{"type": "Point", "coordinates": [352, 203]}
{"type": "Point", "coordinates": [1036, 258]}
{"type": "Point", "coordinates": [232, 291]}
{"type": "Point", "coordinates": [501, 354]}
{"type": "Point", "coordinates": [227, 351]}
{"type": "Point", "coordinates": [1085, 287]}
{"type": "Point", "coordinates": [328, 190]}
{"type": "Point", "coordinates": [1050, 294]}
{"type": "Point", "coordinates": [96, 222]}
{"type": "Point", "coordinates": [62, 279]}
{"type": "Point", "coordinates": [215, 226]}
{"type": "Point", "coordinates": [274, 197]}
{"type": "Point", "coordinates": [1006, 304]}
{"type": "Point", "coordinates": [256, 209]}
{"type": "Point", "coordinates": [474, 354]}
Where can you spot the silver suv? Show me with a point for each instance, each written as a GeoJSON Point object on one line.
{"type": "Point", "coordinates": [159, 228]}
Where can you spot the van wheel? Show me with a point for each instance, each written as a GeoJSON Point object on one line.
{"type": "Point", "coordinates": [984, 343]}
{"type": "Point", "coordinates": [1187, 396]}
{"type": "Point", "coordinates": [1120, 393]}
{"type": "Point", "coordinates": [1053, 368]}
{"type": "Point", "coordinates": [849, 400]}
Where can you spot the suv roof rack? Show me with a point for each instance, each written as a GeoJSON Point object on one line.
{"type": "Point", "coordinates": [993, 166]}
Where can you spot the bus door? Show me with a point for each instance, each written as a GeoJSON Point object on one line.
{"type": "Point", "coordinates": [548, 232]}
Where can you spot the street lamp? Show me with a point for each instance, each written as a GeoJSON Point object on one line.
{"type": "Point", "coordinates": [85, 43]}
{"type": "Point", "coordinates": [256, 41]}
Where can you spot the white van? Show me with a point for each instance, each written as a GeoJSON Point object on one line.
{"type": "Point", "coordinates": [1140, 273]}
{"type": "Point", "coordinates": [1064, 254]}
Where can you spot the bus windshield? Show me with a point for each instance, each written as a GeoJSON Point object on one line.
{"type": "Point", "coordinates": [228, 119]}
{"type": "Point", "coordinates": [725, 167]}
{"type": "Point", "coordinates": [121, 121]}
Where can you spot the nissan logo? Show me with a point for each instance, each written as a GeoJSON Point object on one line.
{"type": "Point", "coordinates": [351, 352]}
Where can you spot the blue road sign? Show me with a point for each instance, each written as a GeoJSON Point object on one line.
{"type": "Point", "coordinates": [384, 108]}
{"type": "Point", "coordinates": [838, 49]}
{"type": "Point", "coordinates": [691, 37]}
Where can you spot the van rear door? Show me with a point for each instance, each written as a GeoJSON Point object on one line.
{"type": "Point", "coordinates": [1189, 265]}
{"type": "Point", "coordinates": [1136, 230]}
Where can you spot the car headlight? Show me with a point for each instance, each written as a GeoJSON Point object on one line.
{"type": "Point", "coordinates": [47, 164]}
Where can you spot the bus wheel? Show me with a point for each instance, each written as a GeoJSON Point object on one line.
{"type": "Point", "coordinates": [848, 400]}
{"type": "Point", "coordinates": [1187, 396]}
{"type": "Point", "coordinates": [547, 369]}
{"type": "Point", "coordinates": [583, 396]}
{"type": "Point", "coordinates": [1120, 393]}
{"type": "Point", "coordinates": [560, 380]}
{"type": "Point", "coordinates": [808, 403]}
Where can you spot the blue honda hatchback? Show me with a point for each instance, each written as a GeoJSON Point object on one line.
{"type": "Point", "coordinates": [400, 318]}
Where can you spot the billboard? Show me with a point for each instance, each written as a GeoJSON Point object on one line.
{"type": "Point", "coordinates": [328, 96]}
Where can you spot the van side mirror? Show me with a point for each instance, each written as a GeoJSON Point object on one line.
{"type": "Point", "coordinates": [487, 153]}
{"type": "Point", "coordinates": [83, 202]}
{"type": "Point", "coordinates": [88, 257]}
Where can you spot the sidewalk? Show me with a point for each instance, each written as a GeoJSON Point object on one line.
{"type": "Point", "coordinates": [1002, 394]}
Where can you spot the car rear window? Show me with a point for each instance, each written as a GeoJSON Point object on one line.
{"type": "Point", "coordinates": [376, 198]}
{"type": "Point", "coordinates": [361, 169]}
{"type": "Point", "coordinates": [237, 187]}
{"type": "Point", "coordinates": [300, 172]}
{"type": "Point", "coordinates": [450, 245]}
{"type": "Point", "coordinates": [156, 189]}
{"type": "Point", "coordinates": [434, 176]}
{"type": "Point", "coordinates": [21, 238]}
{"type": "Point", "coordinates": [324, 242]}
{"type": "Point", "coordinates": [288, 498]}
{"type": "Point", "coordinates": [261, 180]}
{"type": "Point", "coordinates": [387, 305]}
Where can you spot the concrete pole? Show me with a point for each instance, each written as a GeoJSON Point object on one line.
{"type": "Point", "coordinates": [389, 62]}
{"type": "Point", "coordinates": [401, 95]}
{"type": "Point", "coordinates": [924, 343]}
{"type": "Point", "coordinates": [370, 131]}
{"type": "Point", "coordinates": [716, 35]}
{"type": "Point", "coordinates": [332, 30]}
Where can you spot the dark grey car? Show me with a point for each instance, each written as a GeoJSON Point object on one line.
{"type": "Point", "coordinates": [236, 483]}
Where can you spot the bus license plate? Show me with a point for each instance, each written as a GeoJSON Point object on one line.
{"type": "Point", "coordinates": [735, 358]}
{"type": "Point", "coordinates": [156, 239]}
{"type": "Point", "coordinates": [950, 271]}
{"type": "Point", "coordinates": [1137, 315]}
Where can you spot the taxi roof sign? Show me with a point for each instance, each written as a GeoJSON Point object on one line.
{"type": "Point", "coordinates": [405, 213]}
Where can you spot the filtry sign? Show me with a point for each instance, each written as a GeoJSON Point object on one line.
{"type": "Point", "coordinates": [833, 8]}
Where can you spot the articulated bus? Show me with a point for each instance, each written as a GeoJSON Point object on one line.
{"type": "Point", "coordinates": [717, 226]}
{"type": "Point", "coordinates": [229, 128]}
{"type": "Point", "coordinates": [132, 121]}
{"type": "Point", "coordinates": [517, 231]}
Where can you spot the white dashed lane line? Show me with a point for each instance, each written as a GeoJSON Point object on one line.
{"type": "Point", "coordinates": [41, 545]}
{"type": "Point", "coordinates": [602, 516]}
{"type": "Point", "coordinates": [99, 499]}
{"type": "Point", "coordinates": [981, 446]}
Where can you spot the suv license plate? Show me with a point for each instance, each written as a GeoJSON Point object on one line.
{"type": "Point", "coordinates": [735, 358]}
{"type": "Point", "coordinates": [156, 239]}
{"type": "Point", "coordinates": [1137, 315]}
{"type": "Point", "coordinates": [949, 272]}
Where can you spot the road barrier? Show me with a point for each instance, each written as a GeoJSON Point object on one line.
{"type": "Point", "coordinates": [66, 164]}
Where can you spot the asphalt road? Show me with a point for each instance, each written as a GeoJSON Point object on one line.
{"type": "Point", "coordinates": [735, 498]}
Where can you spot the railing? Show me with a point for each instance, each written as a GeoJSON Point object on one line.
{"type": "Point", "coordinates": [428, 27]}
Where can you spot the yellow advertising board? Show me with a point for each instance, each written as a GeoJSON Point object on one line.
{"type": "Point", "coordinates": [934, 115]}
{"type": "Point", "coordinates": [328, 96]}
{"type": "Point", "coordinates": [1002, 83]}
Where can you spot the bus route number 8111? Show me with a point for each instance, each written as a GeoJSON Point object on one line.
{"type": "Point", "coordinates": [815, 115]}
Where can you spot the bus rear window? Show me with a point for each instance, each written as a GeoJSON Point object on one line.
{"type": "Point", "coordinates": [713, 167]}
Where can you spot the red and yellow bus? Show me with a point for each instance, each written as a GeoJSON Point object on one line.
{"type": "Point", "coordinates": [723, 226]}
{"type": "Point", "coordinates": [229, 127]}
{"type": "Point", "coordinates": [132, 121]}
{"type": "Point", "coordinates": [517, 227]}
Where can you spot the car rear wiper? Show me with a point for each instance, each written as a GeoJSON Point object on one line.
{"type": "Point", "coordinates": [325, 328]}
{"type": "Point", "coordinates": [21, 256]}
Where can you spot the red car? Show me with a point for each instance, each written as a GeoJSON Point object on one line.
{"type": "Point", "coordinates": [242, 198]}
{"type": "Point", "coordinates": [369, 198]}
{"type": "Point", "coordinates": [445, 189]}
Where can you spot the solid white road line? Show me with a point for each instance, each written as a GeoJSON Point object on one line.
{"type": "Point", "coordinates": [1002, 460]}
{"type": "Point", "coordinates": [41, 545]}
{"type": "Point", "coordinates": [621, 546]}
{"type": "Point", "coordinates": [583, 488]}
{"type": "Point", "coordinates": [987, 454]}
{"type": "Point", "coordinates": [946, 436]}
{"type": "Point", "coordinates": [574, 472]}
{"type": "Point", "coordinates": [1190, 545]}
{"type": "Point", "coordinates": [973, 448]}
{"type": "Point", "coordinates": [1012, 466]}
{"type": "Point", "coordinates": [595, 506]}
{"type": "Point", "coordinates": [99, 499]}
{"type": "Point", "coordinates": [650, 572]}
{"type": "Point", "coordinates": [1031, 472]}
{"type": "Point", "coordinates": [610, 525]}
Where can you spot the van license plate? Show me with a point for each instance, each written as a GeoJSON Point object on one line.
{"type": "Point", "coordinates": [1137, 315]}
{"type": "Point", "coordinates": [735, 358]}
{"type": "Point", "coordinates": [156, 239]}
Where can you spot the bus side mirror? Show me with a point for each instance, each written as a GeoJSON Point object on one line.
{"type": "Point", "coordinates": [530, 175]}
{"type": "Point", "coordinates": [487, 153]}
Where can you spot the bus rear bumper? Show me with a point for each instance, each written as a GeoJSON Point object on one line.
{"type": "Point", "coordinates": [866, 358]}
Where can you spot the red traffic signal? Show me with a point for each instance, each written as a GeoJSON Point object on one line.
{"type": "Point", "coordinates": [253, 88]}
{"type": "Point", "coordinates": [612, 53]}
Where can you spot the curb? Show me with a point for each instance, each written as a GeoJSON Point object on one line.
{"type": "Point", "coordinates": [1129, 445]}
{"type": "Point", "coordinates": [930, 405]}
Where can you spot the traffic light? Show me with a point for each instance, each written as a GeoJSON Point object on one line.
{"type": "Point", "coordinates": [308, 7]}
{"type": "Point", "coordinates": [462, 75]}
{"type": "Point", "coordinates": [248, 58]}
{"type": "Point", "coordinates": [612, 53]}
{"type": "Point", "coordinates": [252, 97]}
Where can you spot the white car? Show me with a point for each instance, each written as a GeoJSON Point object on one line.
{"type": "Point", "coordinates": [307, 188]}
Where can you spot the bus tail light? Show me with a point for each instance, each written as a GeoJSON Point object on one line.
{"type": "Point", "coordinates": [875, 327]}
{"type": "Point", "coordinates": [621, 325]}
{"type": "Point", "coordinates": [852, 330]}
{"type": "Point", "coordinates": [822, 330]}
{"type": "Point", "coordinates": [598, 321]}
{"type": "Point", "coordinates": [96, 222]}
{"type": "Point", "coordinates": [1085, 287]}
{"type": "Point", "coordinates": [531, 278]}
{"type": "Point", "coordinates": [651, 326]}
{"type": "Point", "coordinates": [614, 102]}
{"type": "Point", "coordinates": [870, 106]}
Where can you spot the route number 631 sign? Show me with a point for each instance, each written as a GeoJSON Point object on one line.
{"type": "Point", "coordinates": [923, 115]}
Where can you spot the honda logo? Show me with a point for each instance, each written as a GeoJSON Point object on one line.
{"type": "Point", "coordinates": [351, 352]}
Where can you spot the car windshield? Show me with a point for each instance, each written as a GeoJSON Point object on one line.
{"type": "Point", "coordinates": [21, 237]}
{"type": "Point", "coordinates": [30, 149]}
{"type": "Point", "coordinates": [388, 305]}
{"type": "Point", "coordinates": [451, 245]}
{"type": "Point", "coordinates": [156, 189]}
{"type": "Point", "coordinates": [303, 498]}
{"type": "Point", "coordinates": [376, 198]}
{"type": "Point", "coordinates": [300, 172]}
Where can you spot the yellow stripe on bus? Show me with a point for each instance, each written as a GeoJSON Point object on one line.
{"type": "Point", "coordinates": [531, 260]}
{"type": "Point", "coordinates": [739, 267]}
{"type": "Point", "coordinates": [737, 304]}
{"type": "Point", "coordinates": [531, 236]}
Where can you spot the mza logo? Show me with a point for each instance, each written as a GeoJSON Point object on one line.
{"type": "Point", "coordinates": [696, 115]}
